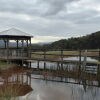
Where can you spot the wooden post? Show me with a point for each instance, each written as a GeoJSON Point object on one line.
{"type": "Point", "coordinates": [17, 49]}
{"type": "Point", "coordinates": [84, 61]}
{"type": "Point", "coordinates": [30, 64]}
{"type": "Point", "coordinates": [22, 48]}
{"type": "Point", "coordinates": [27, 47]}
{"type": "Point", "coordinates": [44, 59]}
{"type": "Point", "coordinates": [80, 62]}
{"type": "Point", "coordinates": [17, 44]}
{"type": "Point", "coordinates": [27, 79]}
{"type": "Point", "coordinates": [30, 79]}
{"type": "Point", "coordinates": [22, 52]}
{"type": "Point", "coordinates": [7, 48]}
{"type": "Point", "coordinates": [30, 48]}
{"type": "Point", "coordinates": [5, 41]}
{"type": "Point", "coordinates": [62, 59]}
{"type": "Point", "coordinates": [38, 65]}
{"type": "Point", "coordinates": [58, 68]}
{"type": "Point", "coordinates": [4, 54]}
{"type": "Point", "coordinates": [22, 78]}
{"type": "Point", "coordinates": [98, 70]}
{"type": "Point", "coordinates": [27, 42]}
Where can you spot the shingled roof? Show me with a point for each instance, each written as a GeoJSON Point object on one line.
{"type": "Point", "coordinates": [15, 32]}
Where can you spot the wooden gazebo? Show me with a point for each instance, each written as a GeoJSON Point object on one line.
{"type": "Point", "coordinates": [22, 45]}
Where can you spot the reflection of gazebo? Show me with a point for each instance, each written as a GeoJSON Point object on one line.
{"type": "Point", "coordinates": [15, 80]}
{"type": "Point", "coordinates": [19, 51]}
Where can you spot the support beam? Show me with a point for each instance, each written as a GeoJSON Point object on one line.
{"type": "Point", "coordinates": [22, 51]}
{"type": "Point", "coordinates": [27, 48]}
{"type": "Point", "coordinates": [98, 69]}
{"type": "Point", "coordinates": [17, 44]}
{"type": "Point", "coordinates": [80, 54]}
{"type": "Point", "coordinates": [5, 42]}
{"type": "Point", "coordinates": [44, 59]}
{"type": "Point", "coordinates": [30, 47]}
{"type": "Point", "coordinates": [17, 48]}
{"type": "Point", "coordinates": [30, 79]}
{"type": "Point", "coordinates": [27, 78]}
{"type": "Point", "coordinates": [7, 48]}
{"type": "Point", "coordinates": [38, 65]}
{"type": "Point", "coordinates": [27, 42]}
{"type": "Point", "coordinates": [62, 59]}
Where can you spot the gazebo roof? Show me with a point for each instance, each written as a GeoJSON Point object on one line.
{"type": "Point", "coordinates": [15, 32]}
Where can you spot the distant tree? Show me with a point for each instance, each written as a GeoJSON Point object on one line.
{"type": "Point", "coordinates": [91, 41]}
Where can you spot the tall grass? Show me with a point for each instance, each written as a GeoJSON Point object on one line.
{"type": "Point", "coordinates": [8, 92]}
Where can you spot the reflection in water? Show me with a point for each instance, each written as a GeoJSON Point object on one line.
{"type": "Point", "coordinates": [62, 91]}
{"type": "Point", "coordinates": [49, 90]}
{"type": "Point", "coordinates": [14, 82]}
{"type": "Point", "coordinates": [69, 66]}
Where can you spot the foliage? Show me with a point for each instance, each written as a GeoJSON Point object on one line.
{"type": "Point", "coordinates": [91, 41]}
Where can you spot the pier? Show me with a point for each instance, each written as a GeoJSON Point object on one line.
{"type": "Point", "coordinates": [24, 55]}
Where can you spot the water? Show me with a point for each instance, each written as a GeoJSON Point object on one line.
{"type": "Point", "coordinates": [48, 90]}
{"type": "Point", "coordinates": [53, 65]}
{"type": "Point", "coordinates": [61, 91]}
{"type": "Point", "coordinates": [82, 59]}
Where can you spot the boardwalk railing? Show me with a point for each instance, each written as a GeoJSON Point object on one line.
{"type": "Point", "coordinates": [84, 58]}
{"type": "Point", "coordinates": [60, 54]}
{"type": "Point", "coordinates": [13, 53]}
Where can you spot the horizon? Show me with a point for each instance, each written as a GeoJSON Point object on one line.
{"type": "Point", "coordinates": [34, 41]}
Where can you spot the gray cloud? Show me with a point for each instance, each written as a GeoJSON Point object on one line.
{"type": "Point", "coordinates": [54, 18]}
{"type": "Point", "coordinates": [38, 7]}
{"type": "Point", "coordinates": [55, 6]}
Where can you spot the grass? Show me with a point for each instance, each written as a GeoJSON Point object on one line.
{"type": "Point", "coordinates": [8, 92]}
{"type": "Point", "coordinates": [13, 91]}
{"type": "Point", "coordinates": [5, 65]}
{"type": "Point", "coordinates": [56, 54]}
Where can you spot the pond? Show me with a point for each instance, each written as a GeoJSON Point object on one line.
{"type": "Point", "coordinates": [49, 90]}
{"type": "Point", "coordinates": [43, 90]}
{"type": "Point", "coordinates": [70, 66]}
{"type": "Point", "coordinates": [82, 59]}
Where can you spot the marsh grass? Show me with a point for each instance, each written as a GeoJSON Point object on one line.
{"type": "Point", "coordinates": [14, 92]}
{"type": "Point", "coordinates": [5, 65]}
{"type": "Point", "coordinates": [56, 54]}
{"type": "Point", "coordinates": [8, 92]}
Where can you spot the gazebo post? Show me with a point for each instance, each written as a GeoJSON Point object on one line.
{"type": "Point", "coordinates": [7, 48]}
{"type": "Point", "coordinates": [22, 50]}
{"type": "Point", "coordinates": [22, 47]}
{"type": "Point", "coordinates": [5, 43]}
{"type": "Point", "coordinates": [27, 47]}
{"type": "Point", "coordinates": [27, 42]}
{"type": "Point", "coordinates": [30, 48]}
{"type": "Point", "coordinates": [17, 41]}
{"type": "Point", "coordinates": [17, 44]}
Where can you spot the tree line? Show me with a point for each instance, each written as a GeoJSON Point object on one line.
{"type": "Point", "coordinates": [91, 41]}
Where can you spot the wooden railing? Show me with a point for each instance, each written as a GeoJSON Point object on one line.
{"type": "Point", "coordinates": [13, 53]}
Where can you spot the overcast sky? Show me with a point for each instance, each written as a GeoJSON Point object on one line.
{"type": "Point", "coordinates": [50, 20]}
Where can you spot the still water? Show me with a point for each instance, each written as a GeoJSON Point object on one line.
{"type": "Point", "coordinates": [48, 90]}
{"type": "Point", "coordinates": [43, 90]}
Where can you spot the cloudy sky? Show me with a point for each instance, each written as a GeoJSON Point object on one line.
{"type": "Point", "coordinates": [50, 20]}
